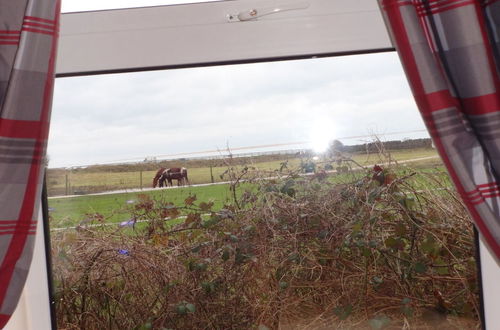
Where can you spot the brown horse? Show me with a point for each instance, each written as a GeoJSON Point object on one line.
{"type": "Point", "coordinates": [158, 176]}
{"type": "Point", "coordinates": [164, 176]}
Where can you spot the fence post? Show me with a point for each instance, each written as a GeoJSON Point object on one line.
{"type": "Point", "coordinates": [140, 180]}
{"type": "Point", "coordinates": [67, 184]}
{"type": "Point", "coordinates": [211, 174]}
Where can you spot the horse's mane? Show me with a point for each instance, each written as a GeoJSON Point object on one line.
{"type": "Point", "coordinates": [157, 176]}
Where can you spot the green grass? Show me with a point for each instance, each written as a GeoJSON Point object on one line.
{"type": "Point", "coordinates": [66, 212]}
{"type": "Point", "coordinates": [71, 211]}
{"type": "Point", "coordinates": [91, 182]}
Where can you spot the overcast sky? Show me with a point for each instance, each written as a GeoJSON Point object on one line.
{"type": "Point", "coordinates": [108, 118]}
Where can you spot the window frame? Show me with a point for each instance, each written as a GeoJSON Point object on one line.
{"type": "Point", "coordinates": [197, 35]}
{"type": "Point", "coordinates": [200, 34]}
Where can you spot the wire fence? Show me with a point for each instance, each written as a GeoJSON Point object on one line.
{"type": "Point", "coordinates": [102, 178]}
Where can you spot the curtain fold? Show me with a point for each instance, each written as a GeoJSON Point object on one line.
{"type": "Point", "coordinates": [28, 43]}
{"type": "Point", "coordinates": [449, 50]}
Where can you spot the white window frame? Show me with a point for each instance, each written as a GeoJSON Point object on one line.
{"type": "Point", "coordinates": [200, 34]}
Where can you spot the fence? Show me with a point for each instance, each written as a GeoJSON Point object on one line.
{"type": "Point", "coordinates": [121, 176]}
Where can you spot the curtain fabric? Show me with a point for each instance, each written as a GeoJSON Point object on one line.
{"type": "Point", "coordinates": [28, 41]}
{"type": "Point", "coordinates": [450, 53]}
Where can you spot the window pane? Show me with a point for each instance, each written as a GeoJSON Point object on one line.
{"type": "Point", "coordinates": [294, 194]}
{"type": "Point", "coordinates": [119, 117]}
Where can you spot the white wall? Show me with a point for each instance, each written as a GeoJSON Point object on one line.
{"type": "Point", "coordinates": [491, 287]}
{"type": "Point", "coordinates": [33, 311]}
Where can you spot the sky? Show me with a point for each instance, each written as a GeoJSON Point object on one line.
{"type": "Point", "coordinates": [128, 117]}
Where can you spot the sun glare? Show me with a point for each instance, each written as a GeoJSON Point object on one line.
{"type": "Point", "coordinates": [322, 134]}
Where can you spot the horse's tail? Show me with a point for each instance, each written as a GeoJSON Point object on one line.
{"type": "Point", "coordinates": [157, 176]}
{"type": "Point", "coordinates": [184, 172]}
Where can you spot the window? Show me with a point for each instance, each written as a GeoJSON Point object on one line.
{"type": "Point", "coordinates": [182, 37]}
{"type": "Point", "coordinates": [290, 132]}
{"type": "Point", "coordinates": [183, 113]}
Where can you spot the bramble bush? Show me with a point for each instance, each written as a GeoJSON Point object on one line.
{"type": "Point", "coordinates": [290, 253]}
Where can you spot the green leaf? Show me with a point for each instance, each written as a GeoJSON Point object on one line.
{"type": "Point", "coordinates": [294, 257]}
{"type": "Point", "coordinates": [343, 312]}
{"type": "Point", "coordinates": [366, 252]}
{"type": "Point", "coordinates": [357, 227]}
{"type": "Point", "coordinates": [201, 266]}
{"type": "Point", "coordinates": [190, 308]}
{"type": "Point", "coordinates": [249, 229]}
{"type": "Point", "coordinates": [191, 265]}
{"type": "Point", "coordinates": [181, 309]}
{"type": "Point", "coordinates": [395, 243]}
{"type": "Point", "coordinates": [197, 248]}
{"type": "Point", "coordinates": [441, 268]}
{"type": "Point", "coordinates": [379, 322]}
{"type": "Point", "coordinates": [420, 268]}
{"type": "Point", "coordinates": [225, 254]}
{"type": "Point", "coordinates": [390, 242]}
{"type": "Point", "coordinates": [208, 286]}
{"type": "Point", "coordinates": [400, 229]}
{"type": "Point", "coordinates": [146, 326]}
{"type": "Point", "coordinates": [429, 245]}
{"type": "Point", "coordinates": [278, 274]}
{"type": "Point", "coordinates": [240, 257]}
{"type": "Point", "coordinates": [288, 188]}
{"type": "Point", "coordinates": [409, 202]}
{"type": "Point", "coordinates": [323, 234]}
{"type": "Point", "coordinates": [460, 268]}
{"type": "Point", "coordinates": [407, 310]}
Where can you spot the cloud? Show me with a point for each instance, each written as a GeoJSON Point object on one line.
{"type": "Point", "coordinates": [122, 116]}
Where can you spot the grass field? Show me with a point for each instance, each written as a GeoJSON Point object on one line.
{"type": "Point", "coordinates": [65, 212]}
{"type": "Point", "coordinates": [70, 211]}
{"type": "Point", "coordinates": [80, 181]}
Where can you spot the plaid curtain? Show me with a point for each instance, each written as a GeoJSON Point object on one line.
{"type": "Point", "coordinates": [450, 53]}
{"type": "Point", "coordinates": [28, 41]}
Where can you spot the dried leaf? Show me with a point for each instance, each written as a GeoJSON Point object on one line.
{"type": "Point", "coordinates": [190, 200]}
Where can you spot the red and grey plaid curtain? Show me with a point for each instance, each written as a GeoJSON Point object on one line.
{"type": "Point", "coordinates": [28, 42]}
{"type": "Point", "coordinates": [450, 53]}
